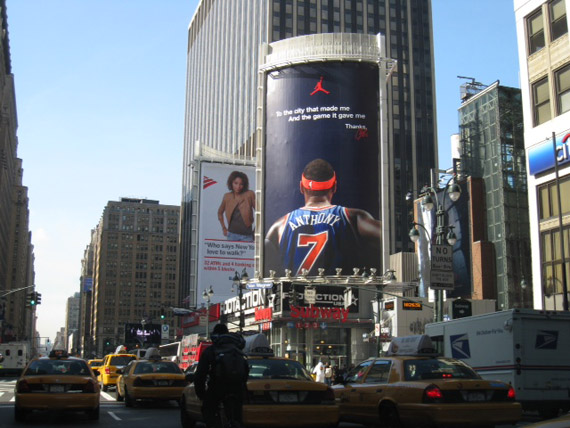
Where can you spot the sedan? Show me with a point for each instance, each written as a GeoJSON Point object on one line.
{"type": "Point", "coordinates": [151, 380]}
{"type": "Point", "coordinates": [413, 386]}
{"type": "Point", "coordinates": [57, 382]}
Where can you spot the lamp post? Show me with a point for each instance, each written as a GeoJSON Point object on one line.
{"type": "Point", "coordinates": [239, 281]}
{"type": "Point", "coordinates": [454, 192]}
{"type": "Point", "coordinates": [207, 295]}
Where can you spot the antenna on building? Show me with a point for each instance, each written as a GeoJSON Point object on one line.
{"type": "Point", "coordinates": [468, 89]}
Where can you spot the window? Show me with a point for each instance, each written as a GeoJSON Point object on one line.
{"type": "Point", "coordinates": [535, 32]}
{"type": "Point", "coordinates": [558, 24]}
{"type": "Point", "coordinates": [541, 101]}
{"type": "Point", "coordinates": [548, 199]}
{"type": "Point", "coordinates": [563, 90]}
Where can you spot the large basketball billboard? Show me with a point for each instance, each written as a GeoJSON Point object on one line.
{"type": "Point", "coordinates": [227, 214]}
{"type": "Point", "coordinates": [324, 115]}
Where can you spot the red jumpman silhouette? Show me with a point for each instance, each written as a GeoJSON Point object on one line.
{"type": "Point", "coordinates": [319, 87]}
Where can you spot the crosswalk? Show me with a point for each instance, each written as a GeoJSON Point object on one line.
{"type": "Point", "coordinates": [7, 392]}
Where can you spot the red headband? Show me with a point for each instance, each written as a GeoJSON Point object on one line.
{"type": "Point", "coordinates": [318, 185]}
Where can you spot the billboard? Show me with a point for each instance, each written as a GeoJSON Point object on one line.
{"type": "Point", "coordinates": [325, 111]}
{"type": "Point", "coordinates": [227, 206]}
{"type": "Point", "coordinates": [541, 157]}
{"type": "Point", "coordinates": [147, 335]}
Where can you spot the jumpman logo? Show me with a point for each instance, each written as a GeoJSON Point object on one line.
{"type": "Point", "coordinates": [319, 87]}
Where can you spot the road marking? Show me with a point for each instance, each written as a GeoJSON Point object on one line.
{"type": "Point", "coordinates": [107, 396]}
{"type": "Point", "coordinates": [114, 416]}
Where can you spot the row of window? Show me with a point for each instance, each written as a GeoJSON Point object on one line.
{"type": "Point", "coordinates": [548, 199]}
{"type": "Point", "coordinates": [555, 16]}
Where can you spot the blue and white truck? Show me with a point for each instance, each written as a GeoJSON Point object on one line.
{"type": "Point", "coordinates": [529, 349]}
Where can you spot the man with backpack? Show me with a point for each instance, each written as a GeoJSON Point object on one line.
{"type": "Point", "coordinates": [221, 377]}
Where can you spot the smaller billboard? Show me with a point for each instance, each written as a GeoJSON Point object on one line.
{"type": "Point", "coordinates": [143, 335]}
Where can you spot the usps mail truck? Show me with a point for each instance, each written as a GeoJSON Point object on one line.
{"type": "Point", "coordinates": [530, 349]}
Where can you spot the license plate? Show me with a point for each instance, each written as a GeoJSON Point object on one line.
{"type": "Point", "coordinates": [476, 396]}
{"type": "Point", "coordinates": [163, 383]}
{"type": "Point", "coordinates": [57, 388]}
{"type": "Point", "coordinates": [288, 397]}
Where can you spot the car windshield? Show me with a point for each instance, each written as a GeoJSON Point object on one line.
{"type": "Point", "coordinates": [59, 367]}
{"type": "Point", "coordinates": [277, 369]}
{"type": "Point", "coordinates": [438, 368]}
{"type": "Point", "coordinates": [95, 363]}
{"type": "Point", "coordinates": [157, 367]}
{"type": "Point", "coordinates": [121, 360]}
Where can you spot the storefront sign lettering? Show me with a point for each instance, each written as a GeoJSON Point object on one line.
{"type": "Point", "coordinates": [319, 312]}
{"type": "Point", "coordinates": [263, 314]}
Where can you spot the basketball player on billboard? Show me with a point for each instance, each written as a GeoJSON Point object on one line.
{"type": "Point", "coordinates": [320, 234]}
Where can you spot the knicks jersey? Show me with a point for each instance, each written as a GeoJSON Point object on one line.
{"type": "Point", "coordinates": [315, 238]}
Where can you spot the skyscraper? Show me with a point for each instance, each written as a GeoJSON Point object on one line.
{"type": "Point", "coordinates": [224, 43]}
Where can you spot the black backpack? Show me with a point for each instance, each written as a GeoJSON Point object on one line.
{"type": "Point", "coordinates": [230, 365]}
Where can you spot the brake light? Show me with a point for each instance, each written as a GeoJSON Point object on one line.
{"type": "Point", "coordinates": [23, 386]}
{"type": "Point", "coordinates": [433, 394]}
{"type": "Point", "coordinates": [511, 393]}
{"type": "Point", "coordinates": [107, 370]}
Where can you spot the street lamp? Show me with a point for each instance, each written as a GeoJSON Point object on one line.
{"type": "Point", "coordinates": [238, 283]}
{"type": "Point", "coordinates": [207, 295]}
{"type": "Point", "coordinates": [454, 192]}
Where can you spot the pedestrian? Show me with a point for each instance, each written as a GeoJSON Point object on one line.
{"type": "Point", "coordinates": [320, 234]}
{"type": "Point", "coordinates": [319, 372]}
{"type": "Point", "coordinates": [328, 374]}
{"type": "Point", "coordinates": [221, 377]}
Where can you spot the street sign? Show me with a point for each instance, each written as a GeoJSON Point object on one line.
{"type": "Point", "coordinates": [258, 285]}
{"type": "Point", "coordinates": [442, 257]}
{"type": "Point", "coordinates": [165, 331]}
{"type": "Point", "coordinates": [442, 280]}
{"type": "Point", "coordinates": [310, 295]}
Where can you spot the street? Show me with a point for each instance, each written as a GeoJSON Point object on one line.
{"type": "Point", "coordinates": [115, 414]}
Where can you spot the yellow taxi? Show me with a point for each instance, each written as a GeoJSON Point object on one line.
{"type": "Point", "coordinates": [107, 372]}
{"type": "Point", "coordinates": [150, 379]}
{"type": "Point", "coordinates": [413, 386]}
{"type": "Point", "coordinates": [57, 382]}
{"type": "Point", "coordinates": [280, 393]}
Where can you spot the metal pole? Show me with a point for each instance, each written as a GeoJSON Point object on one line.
{"type": "Point", "coordinates": [207, 317]}
{"type": "Point", "coordinates": [561, 229]}
{"type": "Point", "coordinates": [241, 314]}
{"type": "Point", "coordinates": [379, 343]}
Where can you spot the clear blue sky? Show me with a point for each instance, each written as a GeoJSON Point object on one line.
{"type": "Point", "coordinates": [100, 88]}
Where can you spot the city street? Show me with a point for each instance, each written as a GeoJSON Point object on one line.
{"type": "Point", "coordinates": [115, 414]}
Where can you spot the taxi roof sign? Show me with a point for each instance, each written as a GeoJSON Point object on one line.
{"type": "Point", "coordinates": [418, 345]}
{"type": "Point", "coordinates": [257, 344]}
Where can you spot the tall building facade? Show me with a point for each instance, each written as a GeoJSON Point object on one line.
{"type": "Point", "coordinates": [135, 268]}
{"type": "Point", "coordinates": [72, 323]}
{"type": "Point", "coordinates": [225, 43]}
{"type": "Point", "coordinates": [17, 322]}
{"type": "Point", "coordinates": [544, 59]}
{"type": "Point", "coordinates": [492, 148]}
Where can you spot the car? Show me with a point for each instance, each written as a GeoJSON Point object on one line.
{"type": "Point", "coordinates": [107, 372]}
{"type": "Point", "coordinates": [414, 386]}
{"type": "Point", "coordinates": [280, 393]}
{"type": "Point", "coordinates": [57, 382]}
{"type": "Point", "coordinates": [150, 379]}
{"type": "Point", "coordinates": [95, 362]}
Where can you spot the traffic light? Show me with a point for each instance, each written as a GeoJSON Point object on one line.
{"type": "Point", "coordinates": [162, 314]}
{"type": "Point", "coordinates": [38, 299]}
{"type": "Point", "coordinates": [31, 299]}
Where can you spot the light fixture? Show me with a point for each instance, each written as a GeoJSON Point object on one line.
{"type": "Point", "coordinates": [454, 192]}
{"type": "Point", "coordinates": [409, 195]}
{"type": "Point", "coordinates": [427, 202]}
{"type": "Point", "coordinates": [451, 237]}
{"type": "Point", "coordinates": [414, 234]}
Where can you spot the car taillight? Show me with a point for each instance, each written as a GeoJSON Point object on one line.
{"type": "Point", "coordinates": [89, 386]}
{"type": "Point", "coordinates": [511, 393]}
{"type": "Point", "coordinates": [23, 386]}
{"type": "Point", "coordinates": [107, 370]}
{"type": "Point", "coordinates": [433, 394]}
